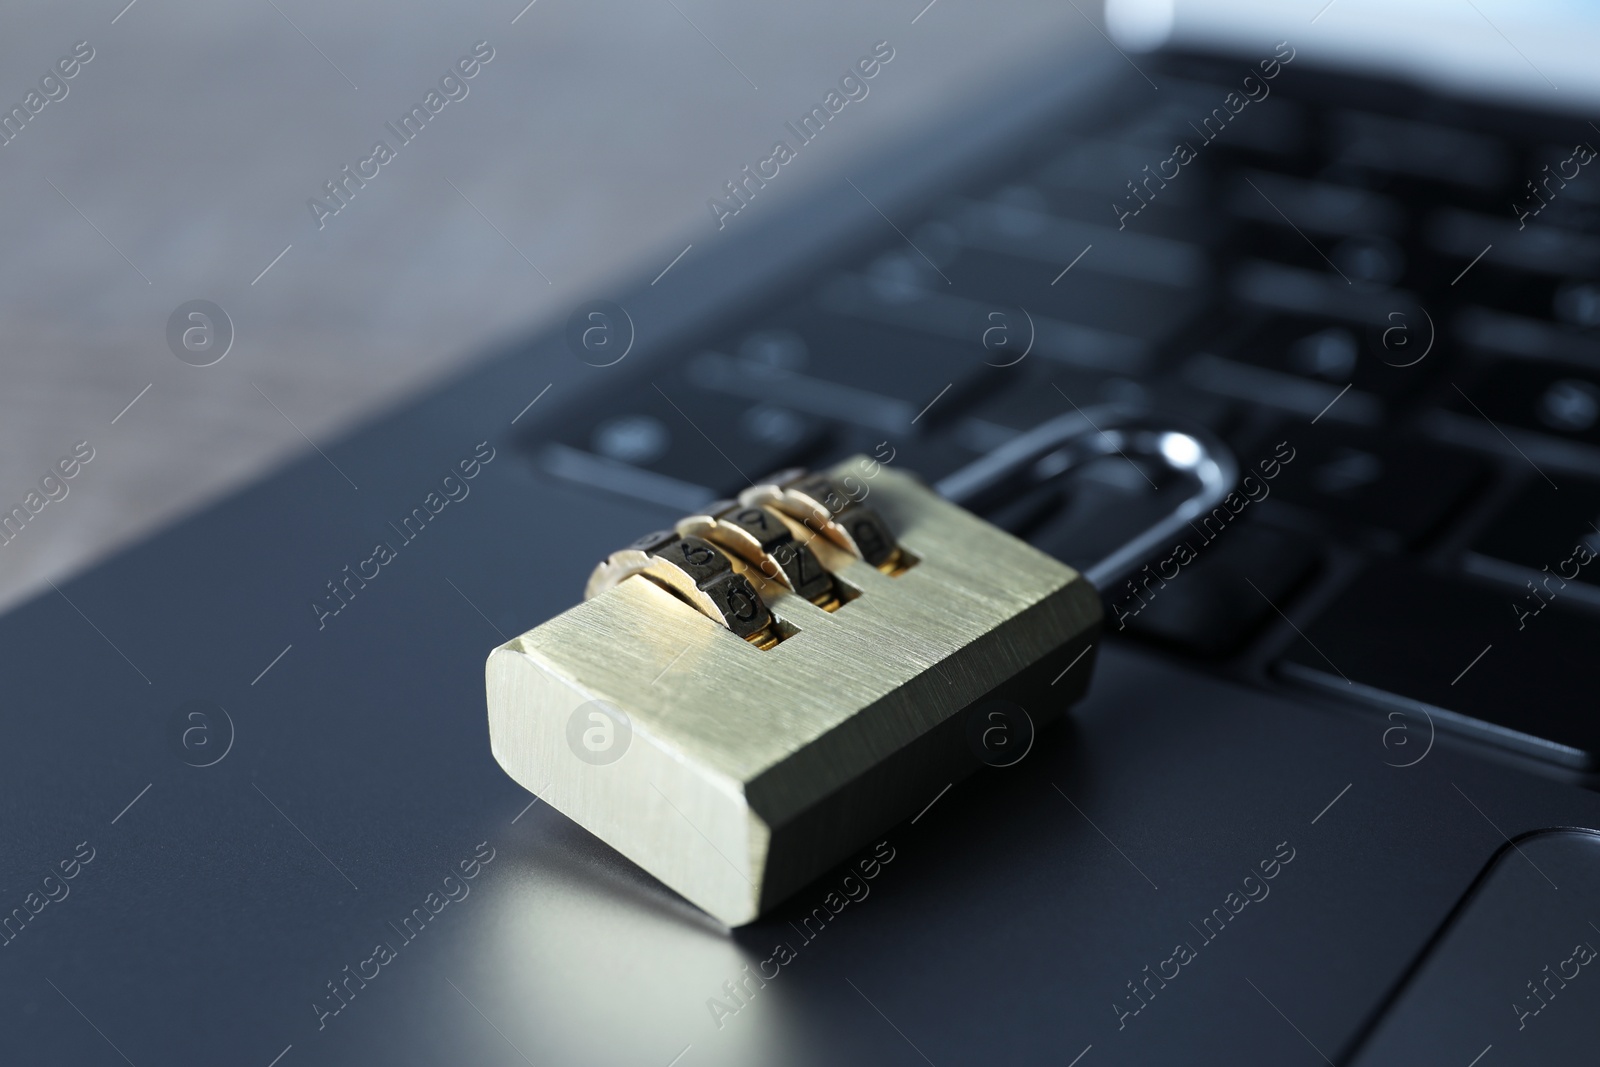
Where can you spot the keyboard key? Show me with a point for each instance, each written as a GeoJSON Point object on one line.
{"type": "Point", "coordinates": [1150, 312]}
{"type": "Point", "coordinates": [689, 437]}
{"type": "Point", "coordinates": [1316, 291]}
{"type": "Point", "coordinates": [1423, 150]}
{"type": "Point", "coordinates": [1577, 302]}
{"type": "Point", "coordinates": [970, 323]}
{"type": "Point", "coordinates": [1005, 226]}
{"type": "Point", "coordinates": [1090, 181]}
{"type": "Point", "coordinates": [853, 369]}
{"type": "Point", "coordinates": [1313, 206]}
{"type": "Point", "coordinates": [928, 457]}
{"type": "Point", "coordinates": [1277, 389]}
{"type": "Point", "coordinates": [1044, 391]}
{"type": "Point", "coordinates": [1551, 398]}
{"type": "Point", "coordinates": [1209, 608]}
{"type": "Point", "coordinates": [1519, 335]}
{"type": "Point", "coordinates": [1540, 529]}
{"type": "Point", "coordinates": [1548, 297]}
{"type": "Point", "coordinates": [1366, 259]}
{"type": "Point", "coordinates": [1401, 489]}
{"type": "Point", "coordinates": [1544, 249]}
{"type": "Point", "coordinates": [587, 469]}
{"type": "Point", "coordinates": [1325, 350]}
{"type": "Point", "coordinates": [753, 381]}
{"type": "Point", "coordinates": [1277, 131]}
{"type": "Point", "coordinates": [1104, 168]}
{"type": "Point", "coordinates": [1411, 640]}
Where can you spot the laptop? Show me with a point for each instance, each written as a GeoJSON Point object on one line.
{"type": "Point", "coordinates": [1329, 798]}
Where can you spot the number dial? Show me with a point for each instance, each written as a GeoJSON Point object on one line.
{"type": "Point", "coordinates": [760, 537]}
{"type": "Point", "coordinates": [822, 505]}
{"type": "Point", "coordinates": [693, 569]}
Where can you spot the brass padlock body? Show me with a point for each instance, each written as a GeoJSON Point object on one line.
{"type": "Point", "coordinates": [749, 772]}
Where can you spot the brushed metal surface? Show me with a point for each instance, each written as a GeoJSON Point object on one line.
{"type": "Point", "coordinates": [747, 772]}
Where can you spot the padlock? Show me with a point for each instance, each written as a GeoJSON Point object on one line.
{"type": "Point", "coordinates": [717, 716]}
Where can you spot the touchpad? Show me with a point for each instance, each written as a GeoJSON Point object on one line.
{"type": "Point", "coordinates": [1514, 977]}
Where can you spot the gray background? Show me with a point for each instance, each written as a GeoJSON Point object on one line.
{"type": "Point", "coordinates": [194, 137]}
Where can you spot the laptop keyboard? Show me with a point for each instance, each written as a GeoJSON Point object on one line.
{"type": "Point", "coordinates": [1339, 276]}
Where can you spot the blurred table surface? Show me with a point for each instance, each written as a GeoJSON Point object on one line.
{"type": "Point", "coordinates": [179, 164]}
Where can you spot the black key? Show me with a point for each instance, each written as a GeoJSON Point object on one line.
{"type": "Point", "coordinates": [1574, 301]}
{"type": "Point", "coordinates": [1502, 239]}
{"type": "Point", "coordinates": [687, 436]}
{"type": "Point", "coordinates": [1329, 351]}
{"type": "Point", "coordinates": [1543, 529]}
{"type": "Point", "coordinates": [1411, 640]}
{"type": "Point", "coordinates": [1238, 380]}
{"type": "Point", "coordinates": [1019, 220]}
{"type": "Point", "coordinates": [1208, 606]}
{"type": "Point", "coordinates": [1402, 487]}
{"type": "Point", "coordinates": [1423, 150]}
{"type": "Point", "coordinates": [1276, 131]}
{"type": "Point", "coordinates": [1551, 398]}
{"type": "Point", "coordinates": [1104, 169]}
{"type": "Point", "coordinates": [1317, 226]}
{"type": "Point", "coordinates": [1552, 190]}
{"type": "Point", "coordinates": [1091, 181]}
{"type": "Point", "coordinates": [929, 458]}
{"type": "Point", "coordinates": [1317, 207]}
{"type": "Point", "coordinates": [1317, 291]}
{"type": "Point", "coordinates": [1496, 332]}
{"type": "Point", "coordinates": [1006, 333]}
{"type": "Point", "coordinates": [1043, 391]}
{"type": "Point", "coordinates": [1365, 258]}
{"type": "Point", "coordinates": [1577, 301]}
{"type": "Point", "coordinates": [1118, 305]}
{"type": "Point", "coordinates": [851, 370]}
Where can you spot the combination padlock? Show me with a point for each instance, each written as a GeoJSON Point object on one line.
{"type": "Point", "coordinates": [744, 700]}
